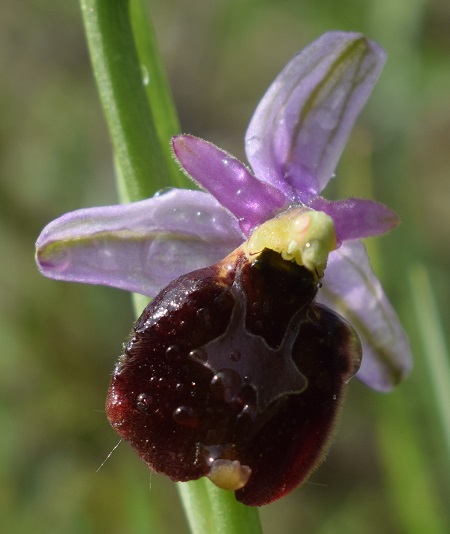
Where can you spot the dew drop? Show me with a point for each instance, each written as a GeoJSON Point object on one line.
{"type": "Point", "coordinates": [226, 384]}
{"type": "Point", "coordinates": [194, 389]}
{"type": "Point", "coordinates": [143, 401]}
{"type": "Point", "coordinates": [198, 355]}
{"type": "Point", "coordinates": [208, 454]}
{"type": "Point", "coordinates": [252, 145]}
{"type": "Point", "coordinates": [248, 414]}
{"type": "Point", "coordinates": [173, 353]}
{"type": "Point", "coordinates": [186, 416]}
{"type": "Point", "coordinates": [145, 75]}
{"type": "Point", "coordinates": [164, 191]}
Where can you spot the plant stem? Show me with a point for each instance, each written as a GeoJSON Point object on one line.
{"type": "Point", "coordinates": [156, 86]}
{"type": "Point", "coordinates": [226, 514]}
{"type": "Point", "coordinates": [139, 155]}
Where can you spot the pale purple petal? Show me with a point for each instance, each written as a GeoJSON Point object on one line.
{"type": "Point", "coordinates": [141, 246]}
{"type": "Point", "coordinates": [302, 124]}
{"type": "Point", "coordinates": [249, 200]}
{"type": "Point", "coordinates": [356, 218]}
{"type": "Point", "coordinates": [351, 288]}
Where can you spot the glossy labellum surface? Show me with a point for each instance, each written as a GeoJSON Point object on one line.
{"type": "Point", "coordinates": [235, 373]}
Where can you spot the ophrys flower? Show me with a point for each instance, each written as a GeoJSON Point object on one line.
{"type": "Point", "coordinates": [237, 368]}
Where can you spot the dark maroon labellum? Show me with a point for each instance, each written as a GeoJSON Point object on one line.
{"type": "Point", "coordinates": [234, 372]}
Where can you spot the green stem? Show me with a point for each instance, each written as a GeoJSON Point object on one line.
{"type": "Point", "coordinates": [140, 116]}
{"type": "Point", "coordinates": [156, 86]}
{"type": "Point", "coordinates": [226, 515]}
{"type": "Point", "coordinates": [140, 157]}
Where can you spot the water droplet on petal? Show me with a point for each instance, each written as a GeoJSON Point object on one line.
{"type": "Point", "coordinates": [248, 414]}
{"type": "Point", "coordinates": [226, 384]}
{"type": "Point", "coordinates": [252, 145]}
{"type": "Point", "coordinates": [143, 401]}
{"type": "Point", "coordinates": [198, 355]}
{"type": "Point", "coordinates": [186, 416]}
{"type": "Point", "coordinates": [164, 191]}
{"type": "Point", "coordinates": [194, 389]}
{"type": "Point", "coordinates": [173, 353]}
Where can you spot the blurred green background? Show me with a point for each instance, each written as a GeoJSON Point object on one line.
{"type": "Point", "coordinates": [389, 468]}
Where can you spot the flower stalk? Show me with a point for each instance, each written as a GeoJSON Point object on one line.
{"type": "Point", "coordinates": [142, 161]}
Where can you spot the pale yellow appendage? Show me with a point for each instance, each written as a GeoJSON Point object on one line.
{"type": "Point", "coordinates": [298, 234]}
{"type": "Point", "coordinates": [229, 474]}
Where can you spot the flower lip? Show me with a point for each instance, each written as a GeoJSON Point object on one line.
{"type": "Point", "coordinates": [235, 373]}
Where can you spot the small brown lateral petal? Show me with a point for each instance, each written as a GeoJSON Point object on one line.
{"type": "Point", "coordinates": [235, 373]}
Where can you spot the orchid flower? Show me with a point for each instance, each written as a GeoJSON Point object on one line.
{"type": "Point", "coordinates": [203, 246]}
